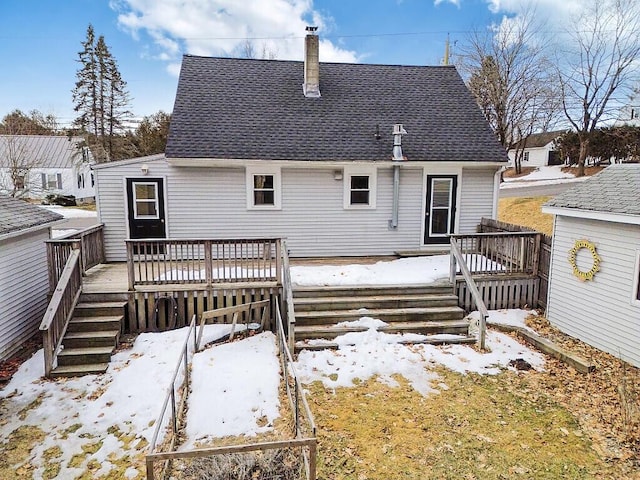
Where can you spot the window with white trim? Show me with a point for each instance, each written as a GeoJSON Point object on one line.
{"type": "Point", "coordinates": [525, 156]}
{"type": "Point", "coordinates": [51, 181]}
{"type": "Point", "coordinates": [636, 280]}
{"type": "Point", "coordinates": [263, 188]}
{"type": "Point", "coordinates": [19, 182]}
{"type": "Point", "coordinates": [360, 187]}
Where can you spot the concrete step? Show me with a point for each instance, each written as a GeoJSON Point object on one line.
{"type": "Point", "coordinates": [440, 288]}
{"type": "Point", "coordinates": [436, 339]}
{"type": "Point", "coordinates": [386, 315]}
{"type": "Point", "coordinates": [375, 302]}
{"type": "Point", "coordinates": [102, 338]}
{"type": "Point", "coordinates": [92, 309]}
{"type": "Point", "coordinates": [94, 324]}
{"type": "Point", "coordinates": [79, 370]}
{"type": "Point", "coordinates": [450, 327]}
{"type": "Point", "coordinates": [84, 356]}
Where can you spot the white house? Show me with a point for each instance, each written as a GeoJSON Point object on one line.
{"type": "Point", "coordinates": [539, 150]}
{"type": "Point", "coordinates": [24, 283]}
{"type": "Point", "coordinates": [630, 113]}
{"type": "Point", "coordinates": [34, 166]}
{"type": "Point", "coordinates": [594, 285]}
{"type": "Point", "coordinates": [341, 159]}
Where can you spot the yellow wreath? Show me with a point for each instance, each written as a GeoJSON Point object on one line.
{"type": "Point", "coordinates": [573, 253]}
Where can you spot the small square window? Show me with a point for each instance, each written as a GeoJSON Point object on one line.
{"type": "Point", "coordinates": [263, 188]}
{"type": "Point", "coordinates": [359, 187]}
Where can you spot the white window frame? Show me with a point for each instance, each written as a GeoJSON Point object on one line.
{"type": "Point", "coordinates": [135, 201]}
{"type": "Point", "coordinates": [251, 172]}
{"type": "Point", "coordinates": [636, 281]}
{"type": "Point", "coordinates": [362, 171]}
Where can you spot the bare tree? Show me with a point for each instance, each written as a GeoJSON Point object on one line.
{"type": "Point", "coordinates": [509, 74]}
{"type": "Point", "coordinates": [16, 162]}
{"type": "Point", "coordinates": [599, 62]}
{"type": "Point", "coordinates": [248, 50]}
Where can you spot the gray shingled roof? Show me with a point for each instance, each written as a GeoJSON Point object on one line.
{"type": "Point", "coordinates": [17, 215]}
{"type": "Point", "coordinates": [255, 109]}
{"type": "Point", "coordinates": [616, 189]}
{"type": "Point", "coordinates": [43, 151]}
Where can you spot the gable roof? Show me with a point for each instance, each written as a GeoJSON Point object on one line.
{"type": "Point", "coordinates": [228, 108]}
{"type": "Point", "coordinates": [538, 140]}
{"type": "Point", "coordinates": [17, 215]}
{"type": "Point", "coordinates": [614, 191]}
{"type": "Point", "coordinates": [41, 151]}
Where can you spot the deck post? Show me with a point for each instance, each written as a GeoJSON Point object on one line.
{"type": "Point", "coordinates": [208, 263]}
{"type": "Point", "coordinates": [279, 261]}
{"type": "Point", "coordinates": [130, 269]}
{"type": "Point", "coordinates": [536, 254]}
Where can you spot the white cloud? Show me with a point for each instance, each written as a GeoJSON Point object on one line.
{"type": "Point", "coordinates": [452, 2]}
{"type": "Point", "coordinates": [221, 27]}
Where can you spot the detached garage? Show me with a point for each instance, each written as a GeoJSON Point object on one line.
{"type": "Point", "coordinates": [594, 285]}
{"type": "Point", "coordinates": [24, 283]}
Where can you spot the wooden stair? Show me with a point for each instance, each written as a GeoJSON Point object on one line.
{"type": "Point", "coordinates": [430, 310]}
{"type": "Point", "coordinates": [91, 337]}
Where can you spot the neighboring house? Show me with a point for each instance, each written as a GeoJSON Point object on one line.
{"type": "Point", "coordinates": [594, 286]}
{"type": "Point", "coordinates": [341, 159]}
{"type": "Point", "coordinates": [630, 113]}
{"type": "Point", "coordinates": [34, 166]}
{"type": "Point", "coordinates": [539, 150]}
{"type": "Point", "coordinates": [24, 283]}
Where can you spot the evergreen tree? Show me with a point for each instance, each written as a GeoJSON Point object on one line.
{"type": "Point", "coordinates": [101, 99]}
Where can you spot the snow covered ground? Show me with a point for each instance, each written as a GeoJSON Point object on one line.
{"type": "Point", "coordinates": [542, 176]}
{"type": "Point", "coordinates": [110, 418]}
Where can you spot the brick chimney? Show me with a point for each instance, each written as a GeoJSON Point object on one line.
{"type": "Point", "coordinates": [311, 85]}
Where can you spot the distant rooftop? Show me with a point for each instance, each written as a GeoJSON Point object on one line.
{"type": "Point", "coordinates": [45, 151]}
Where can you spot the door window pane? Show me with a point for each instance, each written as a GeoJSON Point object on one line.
{"type": "Point", "coordinates": [145, 200]}
{"type": "Point", "coordinates": [440, 207]}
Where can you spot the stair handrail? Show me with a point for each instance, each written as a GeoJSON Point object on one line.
{"type": "Point", "coordinates": [60, 309]}
{"type": "Point", "coordinates": [287, 293]}
{"type": "Point", "coordinates": [458, 258]}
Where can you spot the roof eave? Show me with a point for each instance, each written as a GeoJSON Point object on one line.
{"type": "Point", "coordinates": [592, 214]}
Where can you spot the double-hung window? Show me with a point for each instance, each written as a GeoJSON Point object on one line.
{"type": "Point", "coordinates": [263, 188]}
{"type": "Point", "coordinates": [360, 187]}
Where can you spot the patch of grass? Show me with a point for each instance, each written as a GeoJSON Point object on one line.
{"type": "Point", "coordinates": [481, 427]}
{"type": "Point", "coordinates": [526, 211]}
{"type": "Point", "coordinates": [16, 451]}
{"type": "Point", "coordinates": [51, 467]}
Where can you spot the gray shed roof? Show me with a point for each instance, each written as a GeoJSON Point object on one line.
{"type": "Point", "coordinates": [17, 215]}
{"type": "Point", "coordinates": [537, 140]}
{"type": "Point", "coordinates": [229, 108]}
{"type": "Point", "coordinates": [615, 190]}
{"type": "Point", "coordinates": [42, 151]}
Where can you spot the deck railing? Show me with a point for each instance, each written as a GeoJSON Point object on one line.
{"type": "Point", "coordinates": [90, 243]}
{"type": "Point", "coordinates": [503, 253]}
{"type": "Point", "coordinates": [287, 297]}
{"type": "Point", "coordinates": [60, 309]}
{"type": "Point", "coordinates": [202, 261]}
{"type": "Point", "coordinates": [158, 462]}
{"type": "Point", "coordinates": [459, 262]}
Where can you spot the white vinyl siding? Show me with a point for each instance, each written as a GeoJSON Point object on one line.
{"type": "Point", "coordinates": [211, 202]}
{"type": "Point", "coordinates": [476, 198]}
{"type": "Point", "coordinates": [600, 312]}
{"type": "Point", "coordinates": [24, 285]}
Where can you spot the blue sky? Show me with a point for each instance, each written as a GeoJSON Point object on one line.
{"type": "Point", "coordinates": [40, 39]}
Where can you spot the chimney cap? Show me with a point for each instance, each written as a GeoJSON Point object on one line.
{"type": "Point", "coordinates": [309, 28]}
